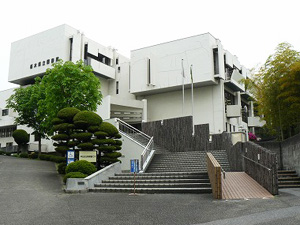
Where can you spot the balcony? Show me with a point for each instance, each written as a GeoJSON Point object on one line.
{"type": "Point", "coordinates": [233, 111]}
{"type": "Point", "coordinates": [256, 122]}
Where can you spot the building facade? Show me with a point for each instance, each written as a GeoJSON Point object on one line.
{"type": "Point", "coordinates": [191, 76]}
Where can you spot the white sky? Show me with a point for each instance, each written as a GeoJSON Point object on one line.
{"type": "Point", "coordinates": [250, 29]}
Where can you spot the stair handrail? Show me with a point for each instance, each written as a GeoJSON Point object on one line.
{"type": "Point", "coordinates": [146, 154]}
{"type": "Point", "coordinates": [132, 129]}
{"type": "Point", "coordinates": [251, 160]}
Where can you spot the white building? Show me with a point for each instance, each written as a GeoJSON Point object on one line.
{"type": "Point", "coordinates": [147, 87]}
{"type": "Point", "coordinates": [159, 72]}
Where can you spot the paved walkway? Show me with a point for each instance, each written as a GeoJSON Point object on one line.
{"type": "Point", "coordinates": [239, 185]}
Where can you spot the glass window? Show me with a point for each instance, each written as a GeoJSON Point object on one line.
{"type": "Point", "coordinates": [4, 112]}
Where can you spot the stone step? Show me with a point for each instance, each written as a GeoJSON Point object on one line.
{"type": "Point", "coordinates": [289, 182]}
{"type": "Point", "coordinates": [288, 178]}
{"type": "Point", "coordinates": [153, 190]}
{"type": "Point", "coordinates": [287, 175]}
{"type": "Point", "coordinates": [159, 174]}
{"type": "Point", "coordinates": [285, 171]}
{"type": "Point", "coordinates": [288, 185]}
{"type": "Point", "coordinates": [203, 180]}
{"type": "Point", "coordinates": [154, 185]}
{"type": "Point", "coordinates": [151, 177]}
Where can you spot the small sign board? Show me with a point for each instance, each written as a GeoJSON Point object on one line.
{"type": "Point", "coordinates": [134, 165]}
{"type": "Point", "coordinates": [70, 156]}
{"type": "Point", "coordinates": [90, 156]}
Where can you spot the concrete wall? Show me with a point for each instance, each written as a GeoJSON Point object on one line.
{"type": "Point", "coordinates": [208, 106]}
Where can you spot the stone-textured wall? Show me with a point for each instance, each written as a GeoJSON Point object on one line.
{"type": "Point", "coordinates": [176, 134]}
{"type": "Point", "coordinates": [235, 159]}
{"type": "Point", "coordinates": [261, 165]}
{"type": "Point", "coordinates": [274, 146]}
{"type": "Point", "coordinates": [291, 153]}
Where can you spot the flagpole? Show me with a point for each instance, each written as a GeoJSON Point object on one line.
{"type": "Point", "coordinates": [182, 86]}
{"type": "Point", "coordinates": [192, 89]}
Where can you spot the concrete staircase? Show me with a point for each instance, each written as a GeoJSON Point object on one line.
{"type": "Point", "coordinates": [192, 161]}
{"type": "Point", "coordinates": [288, 179]}
{"type": "Point", "coordinates": [168, 182]}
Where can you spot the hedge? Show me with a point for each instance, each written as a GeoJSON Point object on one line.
{"type": "Point", "coordinates": [82, 166]}
{"type": "Point", "coordinates": [67, 113]}
{"type": "Point", "coordinates": [109, 128]}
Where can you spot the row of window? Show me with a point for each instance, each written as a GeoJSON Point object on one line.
{"type": "Point", "coordinates": [7, 131]}
{"type": "Point", "coordinates": [43, 63]}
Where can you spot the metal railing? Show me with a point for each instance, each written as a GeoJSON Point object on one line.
{"type": "Point", "coordinates": [263, 166]}
{"type": "Point", "coordinates": [128, 129]}
{"type": "Point", "coordinates": [146, 153]}
{"type": "Point", "coordinates": [141, 137]}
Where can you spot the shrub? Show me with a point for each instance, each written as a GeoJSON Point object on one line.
{"type": "Point", "coordinates": [91, 118]}
{"type": "Point", "coordinates": [2, 152]}
{"type": "Point", "coordinates": [61, 168]}
{"type": "Point", "coordinates": [109, 128]}
{"type": "Point", "coordinates": [68, 113]}
{"type": "Point", "coordinates": [82, 166]}
{"type": "Point", "coordinates": [61, 127]}
{"type": "Point", "coordinates": [107, 148]}
{"type": "Point", "coordinates": [118, 135]}
{"type": "Point", "coordinates": [82, 136]}
{"type": "Point", "coordinates": [21, 137]}
{"type": "Point", "coordinates": [45, 157]}
{"type": "Point", "coordinates": [103, 141]}
{"type": "Point", "coordinates": [118, 142]}
{"type": "Point", "coordinates": [59, 137]}
{"type": "Point", "coordinates": [86, 146]}
{"type": "Point", "coordinates": [23, 155]}
{"type": "Point", "coordinates": [93, 129]}
{"type": "Point", "coordinates": [72, 143]}
{"type": "Point", "coordinates": [113, 154]}
{"type": "Point", "coordinates": [74, 175]}
{"type": "Point", "coordinates": [62, 149]}
{"type": "Point", "coordinates": [56, 121]}
{"type": "Point", "coordinates": [101, 134]}
{"type": "Point", "coordinates": [8, 153]}
{"type": "Point", "coordinates": [57, 159]}
{"type": "Point", "coordinates": [33, 155]}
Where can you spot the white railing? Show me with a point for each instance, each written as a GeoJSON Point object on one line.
{"type": "Point", "coordinates": [146, 154]}
{"type": "Point", "coordinates": [145, 140]}
{"type": "Point", "coordinates": [128, 129]}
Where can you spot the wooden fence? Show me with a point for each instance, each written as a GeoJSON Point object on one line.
{"type": "Point", "coordinates": [215, 177]}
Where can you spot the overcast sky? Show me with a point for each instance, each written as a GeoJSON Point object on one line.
{"type": "Point", "coordinates": [250, 29]}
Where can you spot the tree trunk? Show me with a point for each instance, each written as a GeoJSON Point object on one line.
{"type": "Point", "coordinates": [40, 145]}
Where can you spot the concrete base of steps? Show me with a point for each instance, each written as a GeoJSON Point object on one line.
{"type": "Point", "coordinates": [154, 190]}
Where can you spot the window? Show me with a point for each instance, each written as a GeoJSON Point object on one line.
{"type": "Point", "coordinates": [34, 65]}
{"type": "Point", "coordinates": [36, 137]}
{"type": "Point", "coordinates": [216, 60]}
{"type": "Point", "coordinates": [4, 112]}
{"type": "Point", "coordinates": [44, 63]}
{"type": "Point", "coordinates": [57, 58]}
{"type": "Point", "coordinates": [148, 71]}
{"type": "Point", "coordinates": [119, 69]}
{"type": "Point", "coordinates": [71, 48]}
{"type": "Point", "coordinates": [117, 61]}
{"type": "Point", "coordinates": [52, 60]}
{"type": "Point", "coordinates": [31, 66]}
{"type": "Point", "coordinates": [117, 87]}
{"type": "Point", "coordinates": [48, 61]}
{"type": "Point", "coordinates": [7, 131]}
{"type": "Point", "coordinates": [39, 64]}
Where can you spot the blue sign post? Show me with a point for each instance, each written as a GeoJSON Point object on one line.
{"type": "Point", "coordinates": [134, 165]}
{"type": "Point", "coordinates": [70, 156]}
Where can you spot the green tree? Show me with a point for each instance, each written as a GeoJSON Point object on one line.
{"type": "Point", "coordinates": [25, 101]}
{"type": "Point", "coordinates": [69, 85]}
{"type": "Point", "coordinates": [272, 88]}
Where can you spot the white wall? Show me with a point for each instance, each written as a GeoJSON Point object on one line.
{"type": "Point", "coordinates": [166, 63]}
{"type": "Point", "coordinates": [208, 106]}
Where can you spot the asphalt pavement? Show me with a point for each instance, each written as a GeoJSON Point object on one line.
{"type": "Point", "coordinates": [31, 192]}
